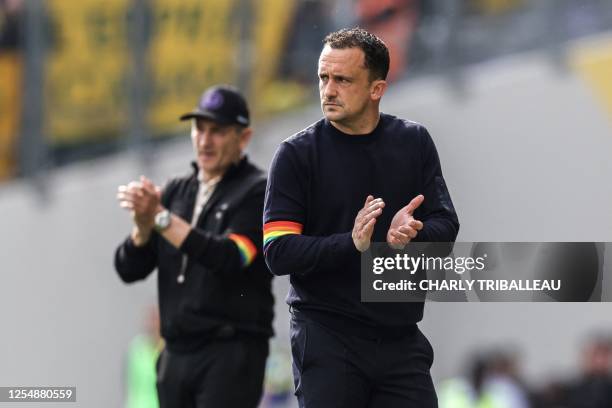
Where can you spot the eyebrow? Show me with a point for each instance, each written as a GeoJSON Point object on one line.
{"type": "Point", "coordinates": [335, 76]}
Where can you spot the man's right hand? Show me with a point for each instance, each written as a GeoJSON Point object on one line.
{"type": "Point", "coordinates": [142, 200]}
{"type": "Point", "coordinates": [364, 222]}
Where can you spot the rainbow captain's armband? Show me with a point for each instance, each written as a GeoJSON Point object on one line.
{"type": "Point", "coordinates": [275, 229]}
{"type": "Point", "coordinates": [245, 247]}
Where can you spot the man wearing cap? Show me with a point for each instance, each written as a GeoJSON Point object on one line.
{"type": "Point", "coordinates": [203, 234]}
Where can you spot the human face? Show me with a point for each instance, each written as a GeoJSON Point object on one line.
{"type": "Point", "coordinates": [217, 146]}
{"type": "Point", "coordinates": [348, 96]}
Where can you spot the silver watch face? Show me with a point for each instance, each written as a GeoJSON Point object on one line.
{"type": "Point", "coordinates": [162, 220]}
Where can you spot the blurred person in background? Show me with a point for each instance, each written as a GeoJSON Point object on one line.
{"type": "Point", "coordinates": [347, 353]}
{"type": "Point", "coordinates": [594, 388]}
{"type": "Point", "coordinates": [503, 387]}
{"type": "Point", "coordinates": [465, 392]}
{"type": "Point", "coordinates": [493, 382]}
{"type": "Point", "coordinates": [203, 234]}
{"type": "Point", "coordinates": [278, 385]}
{"type": "Point", "coordinates": [11, 22]}
{"type": "Point", "coordinates": [395, 22]}
{"type": "Point", "coordinates": [140, 370]}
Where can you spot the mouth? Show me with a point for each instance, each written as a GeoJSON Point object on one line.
{"type": "Point", "coordinates": [206, 155]}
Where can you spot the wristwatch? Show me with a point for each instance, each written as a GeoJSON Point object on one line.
{"type": "Point", "coordinates": [162, 220]}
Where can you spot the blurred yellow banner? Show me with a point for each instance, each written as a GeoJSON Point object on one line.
{"type": "Point", "coordinates": [593, 62]}
{"type": "Point", "coordinates": [10, 110]}
{"type": "Point", "coordinates": [194, 45]}
{"type": "Point", "coordinates": [271, 29]}
{"type": "Point", "coordinates": [496, 6]}
{"type": "Point", "coordinates": [85, 92]}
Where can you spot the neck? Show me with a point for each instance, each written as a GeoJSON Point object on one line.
{"type": "Point", "coordinates": [366, 123]}
{"type": "Point", "coordinates": [207, 176]}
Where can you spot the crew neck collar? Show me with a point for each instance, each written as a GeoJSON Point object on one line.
{"type": "Point", "coordinates": [363, 137]}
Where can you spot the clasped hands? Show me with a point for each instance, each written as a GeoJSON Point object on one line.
{"type": "Point", "coordinates": [143, 199]}
{"type": "Point", "coordinates": [404, 227]}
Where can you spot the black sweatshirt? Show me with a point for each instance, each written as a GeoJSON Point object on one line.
{"type": "Point", "coordinates": [319, 180]}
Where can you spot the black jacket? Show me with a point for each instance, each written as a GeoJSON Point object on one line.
{"type": "Point", "coordinates": [222, 295]}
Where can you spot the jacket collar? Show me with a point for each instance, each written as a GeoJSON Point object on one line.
{"type": "Point", "coordinates": [222, 185]}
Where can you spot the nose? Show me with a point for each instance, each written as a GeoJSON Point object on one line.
{"type": "Point", "coordinates": [203, 137]}
{"type": "Point", "coordinates": [329, 90]}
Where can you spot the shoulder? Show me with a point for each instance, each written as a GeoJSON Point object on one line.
{"type": "Point", "coordinates": [406, 126]}
{"type": "Point", "coordinates": [253, 177]}
{"type": "Point", "coordinates": [306, 136]}
{"type": "Point", "coordinates": [406, 130]}
{"type": "Point", "coordinates": [299, 147]}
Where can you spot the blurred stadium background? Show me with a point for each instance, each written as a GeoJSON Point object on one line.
{"type": "Point", "coordinates": [517, 95]}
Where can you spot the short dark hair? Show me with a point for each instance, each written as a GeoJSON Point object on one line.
{"type": "Point", "coordinates": [375, 50]}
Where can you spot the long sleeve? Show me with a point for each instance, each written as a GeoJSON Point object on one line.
{"type": "Point", "coordinates": [238, 246]}
{"type": "Point", "coordinates": [437, 211]}
{"type": "Point", "coordinates": [134, 263]}
{"type": "Point", "coordinates": [286, 250]}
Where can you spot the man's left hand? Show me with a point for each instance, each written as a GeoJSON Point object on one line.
{"type": "Point", "coordinates": [404, 227]}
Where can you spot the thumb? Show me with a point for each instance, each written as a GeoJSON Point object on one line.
{"type": "Point", "coordinates": [147, 184]}
{"type": "Point", "coordinates": [415, 203]}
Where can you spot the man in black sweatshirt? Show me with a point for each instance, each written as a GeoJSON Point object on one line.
{"type": "Point", "coordinates": [355, 176]}
{"type": "Point", "coordinates": [203, 234]}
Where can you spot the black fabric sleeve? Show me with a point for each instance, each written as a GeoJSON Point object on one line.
{"type": "Point", "coordinates": [134, 263]}
{"type": "Point", "coordinates": [221, 253]}
{"type": "Point", "coordinates": [440, 222]}
{"type": "Point", "coordinates": [286, 196]}
{"type": "Point", "coordinates": [303, 255]}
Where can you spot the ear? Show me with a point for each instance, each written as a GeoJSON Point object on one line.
{"type": "Point", "coordinates": [245, 137]}
{"type": "Point", "coordinates": [377, 89]}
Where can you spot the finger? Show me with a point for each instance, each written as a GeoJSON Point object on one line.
{"type": "Point", "coordinates": [369, 217]}
{"type": "Point", "coordinates": [395, 242]}
{"type": "Point", "coordinates": [376, 201]}
{"type": "Point", "coordinates": [131, 188]}
{"type": "Point", "coordinates": [372, 207]}
{"type": "Point", "coordinates": [416, 224]}
{"type": "Point", "coordinates": [134, 187]}
{"type": "Point", "coordinates": [147, 185]}
{"type": "Point", "coordinates": [369, 228]}
{"type": "Point", "coordinates": [411, 232]}
{"type": "Point", "coordinates": [375, 205]}
{"type": "Point", "coordinates": [152, 190]}
{"type": "Point", "coordinates": [400, 236]}
{"type": "Point", "coordinates": [415, 203]}
{"type": "Point", "coordinates": [136, 196]}
{"type": "Point", "coordinates": [125, 196]}
{"type": "Point", "coordinates": [127, 205]}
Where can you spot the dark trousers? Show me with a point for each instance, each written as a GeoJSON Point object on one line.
{"type": "Point", "coordinates": [222, 374]}
{"type": "Point", "coordinates": [333, 370]}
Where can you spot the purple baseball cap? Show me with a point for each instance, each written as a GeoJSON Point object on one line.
{"type": "Point", "coordinates": [223, 104]}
